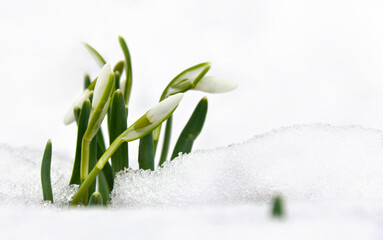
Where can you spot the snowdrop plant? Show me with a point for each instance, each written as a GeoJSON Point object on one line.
{"type": "Point", "coordinates": [95, 165]}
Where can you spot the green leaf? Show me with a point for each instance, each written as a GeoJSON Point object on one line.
{"type": "Point", "coordinates": [46, 172]}
{"type": "Point", "coordinates": [118, 68]}
{"type": "Point", "coordinates": [192, 129]}
{"type": "Point", "coordinates": [277, 210]}
{"type": "Point", "coordinates": [82, 125]}
{"type": "Point", "coordinates": [86, 81]}
{"type": "Point", "coordinates": [108, 172]}
{"type": "Point", "coordinates": [100, 143]}
{"type": "Point", "coordinates": [128, 70]}
{"type": "Point", "coordinates": [95, 199]}
{"type": "Point", "coordinates": [100, 60]}
{"type": "Point", "coordinates": [120, 158]}
{"type": "Point", "coordinates": [146, 152]}
{"type": "Point", "coordinates": [76, 111]}
{"type": "Point", "coordinates": [144, 125]}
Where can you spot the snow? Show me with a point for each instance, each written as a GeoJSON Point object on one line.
{"type": "Point", "coordinates": [304, 163]}
{"type": "Point", "coordinates": [330, 178]}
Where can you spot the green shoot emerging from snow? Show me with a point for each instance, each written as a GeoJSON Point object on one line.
{"type": "Point", "coordinates": [95, 164]}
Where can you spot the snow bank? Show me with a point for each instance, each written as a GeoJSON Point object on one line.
{"type": "Point", "coordinates": [330, 177]}
{"type": "Point", "coordinates": [304, 163]}
{"type": "Point", "coordinates": [20, 182]}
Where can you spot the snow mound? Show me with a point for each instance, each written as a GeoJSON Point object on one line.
{"type": "Point", "coordinates": [20, 178]}
{"type": "Point", "coordinates": [309, 162]}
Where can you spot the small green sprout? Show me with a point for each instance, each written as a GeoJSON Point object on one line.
{"type": "Point", "coordinates": [278, 207]}
{"type": "Point", "coordinates": [46, 173]}
{"type": "Point", "coordinates": [108, 95]}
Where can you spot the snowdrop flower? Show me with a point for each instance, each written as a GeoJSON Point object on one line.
{"type": "Point", "coordinates": [98, 90]}
{"type": "Point", "coordinates": [211, 84]}
{"type": "Point", "coordinates": [158, 113]}
{"type": "Point", "coordinates": [161, 110]}
{"type": "Point", "coordinates": [69, 116]}
{"type": "Point", "coordinates": [101, 83]}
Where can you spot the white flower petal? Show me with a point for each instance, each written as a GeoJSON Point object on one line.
{"type": "Point", "coordinates": [101, 83]}
{"type": "Point", "coordinates": [69, 116]}
{"type": "Point", "coordinates": [211, 84]}
{"type": "Point", "coordinates": [162, 109]}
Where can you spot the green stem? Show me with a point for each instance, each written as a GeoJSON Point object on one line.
{"type": "Point", "coordinates": [93, 174]}
{"type": "Point", "coordinates": [165, 147]}
{"type": "Point", "coordinates": [84, 158]}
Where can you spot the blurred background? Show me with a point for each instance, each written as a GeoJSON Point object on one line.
{"type": "Point", "coordinates": [296, 62]}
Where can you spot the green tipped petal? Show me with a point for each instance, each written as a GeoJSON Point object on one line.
{"type": "Point", "coordinates": [152, 118]}
{"type": "Point", "coordinates": [186, 80]}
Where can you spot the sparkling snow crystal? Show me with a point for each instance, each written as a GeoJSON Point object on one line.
{"type": "Point", "coordinates": [315, 162]}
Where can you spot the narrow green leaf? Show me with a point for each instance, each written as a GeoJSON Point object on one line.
{"type": "Point", "coordinates": [165, 146]}
{"type": "Point", "coordinates": [46, 172]}
{"type": "Point", "coordinates": [192, 129]}
{"type": "Point", "coordinates": [108, 173]}
{"type": "Point", "coordinates": [95, 199]}
{"type": "Point", "coordinates": [104, 187]}
{"type": "Point", "coordinates": [100, 60]}
{"type": "Point", "coordinates": [120, 159]}
{"type": "Point", "coordinates": [82, 125]}
{"type": "Point", "coordinates": [100, 143]}
{"type": "Point", "coordinates": [128, 70]}
{"type": "Point", "coordinates": [277, 209]}
{"type": "Point", "coordinates": [146, 152]}
{"type": "Point", "coordinates": [76, 111]}
{"type": "Point", "coordinates": [86, 81]}
{"type": "Point", "coordinates": [92, 162]}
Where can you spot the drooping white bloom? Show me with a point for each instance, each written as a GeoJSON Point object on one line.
{"type": "Point", "coordinates": [211, 84]}
{"type": "Point", "coordinates": [152, 118]}
{"type": "Point", "coordinates": [101, 83]}
{"type": "Point", "coordinates": [163, 108]}
{"type": "Point", "coordinates": [69, 116]}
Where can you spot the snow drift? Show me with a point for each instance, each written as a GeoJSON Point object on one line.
{"type": "Point", "coordinates": [303, 163]}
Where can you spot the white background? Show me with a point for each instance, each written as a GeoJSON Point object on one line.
{"type": "Point", "coordinates": [295, 62]}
